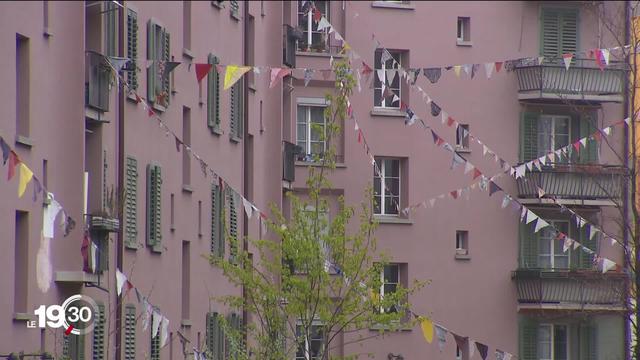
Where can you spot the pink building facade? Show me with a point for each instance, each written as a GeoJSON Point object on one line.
{"type": "Point", "coordinates": [491, 278]}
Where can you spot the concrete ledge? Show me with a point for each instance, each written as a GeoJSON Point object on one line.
{"type": "Point", "coordinates": [75, 277]}
{"type": "Point", "coordinates": [24, 140]}
{"type": "Point", "coordinates": [388, 5]}
{"type": "Point", "coordinates": [388, 112]}
{"type": "Point", "coordinates": [392, 220]}
{"type": "Point", "coordinates": [464, 43]}
{"type": "Point", "coordinates": [18, 316]}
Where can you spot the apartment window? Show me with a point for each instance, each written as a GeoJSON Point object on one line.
{"type": "Point", "coordinates": [464, 30]}
{"type": "Point", "coordinates": [21, 262]}
{"type": "Point", "coordinates": [390, 280]}
{"type": "Point", "coordinates": [462, 137]}
{"type": "Point", "coordinates": [311, 346]}
{"type": "Point", "coordinates": [312, 39]}
{"type": "Point", "coordinates": [214, 336]}
{"type": "Point", "coordinates": [186, 155]}
{"type": "Point", "coordinates": [158, 50]}
{"type": "Point", "coordinates": [233, 228]}
{"type": "Point", "coordinates": [559, 32]}
{"type": "Point", "coordinates": [462, 242]}
{"type": "Point", "coordinates": [22, 86]}
{"type": "Point", "coordinates": [186, 279]}
{"type": "Point", "coordinates": [132, 48]}
{"type": "Point", "coordinates": [386, 186]}
{"type": "Point", "coordinates": [186, 25]}
{"type": "Point", "coordinates": [553, 133]}
{"type": "Point", "coordinates": [553, 342]}
{"type": "Point", "coordinates": [311, 130]}
{"type": "Point", "coordinates": [111, 28]}
{"type": "Point", "coordinates": [550, 252]}
{"type": "Point", "coordinates": [387, 77]}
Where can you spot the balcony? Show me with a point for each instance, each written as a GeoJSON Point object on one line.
{"type": "Point", "coordinates": [584, 81]}
{"type": "Point", "coordinates": [569, 290]}
{"type": "Point", "coordinates": [98, 77]}
{"type": "Point", "coordinates": [580, 184]}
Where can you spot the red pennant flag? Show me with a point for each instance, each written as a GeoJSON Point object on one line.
{"type": "Point", "coordinates": [454, 194]}
{"type": "Point", "coordinates": [366, 69]}
{"type": "Point", "coordinates": [576, 145]}
{"type": "Point", "coordinates": [138, 99]}
{"type": "Point", "coordinates": [439, 141]}
{"type": "Point", "coordinates": [476, 173]}
{"type": "Point", "coordinates": [561, 236]}
{"type": "Point", "coordinates": [202, 70]}
{"type": "Point", "coordinates": [150, 111]}
{"type": "Point", "coordinates": [317, 15]}
{"type": "Point", "coordinates": [498, 66]}
{"type": "Point", "coordinates": [450, 121]}
{"type": "Point", "coordinates": [599, 59]}
{"type": "Point", "coordinates": [13, 162]}
{"type": "Point", "coordinates": [359, 136]}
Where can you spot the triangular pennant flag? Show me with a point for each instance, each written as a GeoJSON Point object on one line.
{"type": "Point", "coordinates": [529, 165]}
{"type": "Point", "coordinates": [493, 187]}
{"type": "Point", "coordinates": [583, 141]}
{"type": "Point", "coordinates": [164, 331]}
{"type": "Point", "coordinates": [441, 334]}
{"type": "Point", "coordinates": [505, 201]}
{"type": "Point", "coordinates": [540, 224]}
{"type": "Point", "coordinates": [461, 341]}
{"type": "Point", "coordinates": [593, 232]}
{"type": "Point", "coordinates": [488, 67]}
{"type": "Point", "coordinates": [120, 281]}
{"type": "Point", "coordinates": [248, 207]}
{"type": "Point", "coordinates": [147, 314]}
{"type": "Point", "coordinates": [233, 74]}
{"type": "Point", "coordinates": [433, 74]}
{"type": "Point", "coordinates": [456, 70]}
{"type": "Point", "coordinates": [567, 60]}
{"type": "Point", "coordinates": [25, 177]}
{"type": "Point", "coordinates": [37, 188]}
{"type": "Point", "coordinates": [6, 150]}
{"type": "Point", "coordinates": [567, 243]}
{"type": "Point", "coordinates": [391, 75]}
{"type": "Point", "coordinates": [323, 24]}
{"type": "Point", "coordinates": [474, 69]}
{"type": "Point", "coordinates": [576, 245]}
{"type": "Point", "coordinates": [467, 68]}
{"type": "Point", "coordinates": [118, 63]}
{"type": "Point", "coordinates": [468, 167]}
{"type": "Point", "coordinates": [155, 324]}
{"type": "Point", "coordinates": [450, 121]}
{"type": "Point", "coordinates": [202, 70]}
{"type": "Point", "coordinates": [483, 350]}
{"type": "Point", "coordinates": [530, 217]}
{"type": "Point", "coordinates": [13, 162]}
{"type": "Point", "coordinates": [476, 173]}
{"type": "Point", "coordinates": [308, 74]}
{"type": "Point", "coordinates": [454, 194]}
{"type": "Point", "coordinates": [432, 202]}
{"type": "Point", "coordinates": [498, 65]}
{"type": "Point", "coordinates": [169, 67]}
{"type": "Point", "coordinates": [607, 265]}
{"type": "Point", "coordinates": [605, 56]}
{"type": "Point", "coordinates": [427, 329]}
{"type": "Point", "coordinates": [276, 75]}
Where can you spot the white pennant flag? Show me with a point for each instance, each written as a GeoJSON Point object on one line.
{"type": "Point", "coordinates": [248, 207]}
{"type": "Point", "coordinates": [605, 55]}
{"type": "Point", "coordinates": [468, 167]}
{"type": "Point", "coordinates": [523, 214]}
{"type": "Point", "coordinates": [505, 201]}
{"type": "Point", "coordinates": [520, 171]}
{"type": "Point", "coordinates": [576, 245]}
{"type": "Point", "coordinates": [567, 244]}
{"type": "Point", "coordinates": [567, 60]}
{"type": "Point", "coordinates": [148, 310]}
{"type": "Point", "coordinates": [380, 74]}
{"type": "Point", "coordinates": [323, 24]}
{"type": "Point", "coordinates": [583, 141]}
{"type": "Point", "coordinates": [391, 76]}
{"type": "Point", "coordinates": [543, 159]}
{"type": "Point", "coordinates": [607, 265]}
{"type": "Point", "coordinates": [529, 165]}
{"type": "Point", "coordinates": [552, 157]}
{"type": "Point", "coordinates": [444, 116]}
{"type": "Point", "coordinates": [531, 216]}
{"type": "Point", "coordinates": [607, 130]}
{"type": "Point", "coordinates": [540, 225]}
{"type": "Point", "coordinates": [164, 331]}
{"type": "Point", "coordinates": [613, 242]}
{"type": "Point", "coordinates": [432, 202]}
{"type": "Point", "coordinates": [488, 67]}
{"type": "Point", "coordinates": [627, 121]}
{"type": "Point", "coordinates": [121, 279]}
{"type": "Point", "coordinates": [485, 149]}
{"type": "Point", "coordinates": [155, 324]}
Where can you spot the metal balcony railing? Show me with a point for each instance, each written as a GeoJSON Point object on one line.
{"type": "Point", "coordinates": [574, 181]}
{"type": "Point", "coordinates": [570, 287]}
{"type": "Point", "coordinates": [583, 81]}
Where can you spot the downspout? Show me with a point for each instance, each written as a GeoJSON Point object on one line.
{"type": "Point", "coordinates": [120, 187]}
{"type": "Point", "coordinates": [627, 260]}
{"type": "Point", "coordinates": [245, 150]}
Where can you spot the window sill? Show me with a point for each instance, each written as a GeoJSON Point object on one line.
{"type": "Point", "coordinates": [463, 257]}
{"type": "Point", "coordinates": [216, 131]}
{"type": "Point", "coordinates": [388, 112]}
{"type": "Point", "coordinates": [318, 54]}
{"type": "Point", "coordinates": [24, 141]}
{"type": "Point", "coordinates": [18, 316]}
{"type": "Point", "coordinates": [187, 54]}
{"type": "Point", "coordinates": [158, 107]}
{"type": "Point", "coordinates": [463, 150]}
{"type": "Point", "coordinates": [235, 16]}
{"type": "Point", "coordinates": [386, 5]}
{"type": "Point", "coordinates": [386, 219]}
{"type": "Point", "coordinates": [467, 43]}
{"type": "Point", "coordinates": [234, 139]}
{"type": "Point", "coordinates": [187, 188]}
{"type": "Point", "coordinates": [186, 323]}
{"type": "Point", "coordinates": [309, 163]}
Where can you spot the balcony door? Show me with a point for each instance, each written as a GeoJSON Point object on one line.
{"type": "Point", "coordinates": [554, 132]}
{"type": "Point", "coordinates": [550, 254]}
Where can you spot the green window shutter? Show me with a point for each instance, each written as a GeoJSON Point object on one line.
{"type": "Point", "coordinates": [236, 122]}
{"type": "Point", "coordinates": [212, 334]}
{"type": "Point", "coordinates": [220, 342]}
{"type": "Point", "coordinates": [154, 207]}
{"type": "Point", "coordinates": [586, 260]}
{"type": "Point", "coordinates": [154, 352]}
{"type": "Point", "coordinates": [587, 128]}
{"type": "Point", "coordinates": [559, 32]}
{"type": "Point", "coordinates": [234, 8]}
{"type": "Point", "coordinates": [588, 341]}
{"type": "Point", "coordinates": [132, 48]}
{"type": "Point", "coordinates": [152, 70]}
{"type": "Point", "coordinates": [213, 95]}
{"type": "Point", "coordinates": [569, 33]}
{"type": "Point", "coordinates": [98, 334]}
{"type": "Point", "coordinates": [131, 203]}
{"type": "Point", "coordinates": [528, 338]}
{"type": "Point", "coordinates": [528, 136]}
{"type": "Point", "coordinates": [166, 56]}
{"type": "Point", "coordinates": [233, 228]}
{"type": "Point", "coordinates": [130, 332]}
{"type": "Point", "coordinates": [217, 237]}
{"type": "Point", "coordinates": [73, 347]}
{"type": "Point", "coordinates": [528, 247]}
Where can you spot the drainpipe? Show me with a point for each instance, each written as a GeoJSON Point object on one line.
{"type": "Point", "coordinates": [120, 176]}
{"type": "Point", "coordinates": [245, 152]}
{"type": "Point", "coordinates": [627, 260]}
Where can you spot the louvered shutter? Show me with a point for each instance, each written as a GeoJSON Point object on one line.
{"type": "Point", "coordinates": [213, 95]}
{"type": "Point", "coordinates": [132, 48]}
{"type": "Point", "coordinates": [152, 70]}
{"type": "Point", "coordinates": [220, 342]}
{"type": "Point", "coordinates": [588, 341]}
{"type": "Point", "coordinates": [154, 353]}
{"type": "Point", "coordinates": [212, 333]}
{"type": "Point", "coordinates": [98, 333]}
{"type": "Point", "coordinates": [166, 56]}
{"type": "Point", "coordinates": [233, 111]}
{"type": "Point", "coordinates": [131, 203]}
{"type": "Point", "coordinates": [217, 238]}
{"type": "Point", "coordinates": [154, 207]}
{"type": "Point", "coordinates": [569, 31]}
{"type": "Point", "coordinates": [550, 32]}
{"type": "Point", "coordinates": [528, 136]}
{"type": "Point", "coordinates": [233, 229]}
{"type": "Point", "coordinates": [589, 154]}
{"type": "Point", "coordinates": [73, 346]}
{"type": "Point", "coordinates": [234, 8]}
{"type": "Point", "coordinates": [559, 33]}
{"type": "Point", "coordinates": [528, 247]}
{"type": "Point", "coordinates": [528, 339]}
{"type": "Point", "coordinates": [130, 332]}
{"type": "Point", "coordinates": [586, 260]}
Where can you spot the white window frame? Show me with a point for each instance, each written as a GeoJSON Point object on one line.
{"type": "Point", "coordinates": [383, 190]}
{"type": "Point", "coordinates": [460, 138]}
{"type": "Point", "coordinates": [307, 341]}
{"type": "Point", "coordinates": [307, 123]}
{"type": "Point", "coordinates": [323, 215]}
{"type": "Point", "coordinates": [552, 140]}
{"type": "Point", "coordinates": [462, 241]}
{"type": "Point", "coordinates": [383, 283]}
{"type": "Point", "coordinates": [309, 28]}
{"type": "Point", "coordinates": [552, 245]}
{"type": "Point", "coordinates": [383, 81]}
{"type": "Point", "coordinates": [460, 29]}
{"type": "Point", "coordinates": [552, 328]}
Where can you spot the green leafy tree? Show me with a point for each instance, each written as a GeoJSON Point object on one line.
{"type": "Point", "coordinates": [318, 278]}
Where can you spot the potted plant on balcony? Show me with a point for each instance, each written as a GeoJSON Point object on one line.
{"type": "Point", "coordinates": [105, 221]}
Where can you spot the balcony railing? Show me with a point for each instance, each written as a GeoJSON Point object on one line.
{"type": "Point", "coordinates": [570, 288]}
{"type": "Point", "coordinates": [583, 81]}
{"type": "Point", "coordinates": [574, 181]}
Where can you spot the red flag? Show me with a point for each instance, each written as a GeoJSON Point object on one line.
{"type": "Point", "coordinates": [454, 194]}
{"type": "Point", "coordinates": [359, 136]}
{"type": "Point", "coordinates": [366, 69]}
{"type": "Point", "coordinates": [599, 59]}
{"type": "Point", "coordinates": [450, 121]}
{"type": "Point", "coordinates": [202, 70]}
{"type": "Point", "coordinates": [13, 162]}
{"type": "Point", "coordinates": [476, 173]}
{"type": "Point", "coordinates": [576, 145]}
{"type": "Point", "coordinates": [150, 111]}
{"type": "Point", "coordinates": [498, 66]}
{"type": "Point", "coordinates": [138, 99]}
{"type": "Point", "coordinates": [439, 141]}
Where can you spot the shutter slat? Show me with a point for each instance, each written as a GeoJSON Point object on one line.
{"type": "Point", "coordinates": [152, 70]}
{"type": "Point", "coordinates": [528, 247]}
{"type": "Point", "coordinates": [154, 207]}
{"type": "Point", "coordinates": [131, 203]}
{"type": "Point", "coordinates": [166, 56]}
{"type": "Point", "coordinates": [528, 136]}
{"type": "Point", "coordinates": [213, 95]}
{"type": "Point", "coordinates": [233, 229]}
{"type": "Point", "coordinates": [132, 48]}
{"type": "Point", "coordinates": [130, 332]}
{"type": "Point", "coordinates": [528, 339]}
{"type": "Point", "coordinates": [98, 334]}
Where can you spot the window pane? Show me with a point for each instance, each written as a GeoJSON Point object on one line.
{"type": "Point", "coordinates": [560, 342]}
{"type": "Point", "coordinates": [317, 114]}
{"type": "Point", "coordinates": [544, 246]}
{"type": "Point", "coordinates": [377, 205]}
{"type": "Point", "coordinates": [317, 147]}
{"type": "Point", "coordinates": [391, 205]}
{"type": "Point", "coordinates": [377, 59]}
{"type": "Point", "coordinates": [544, 261]}
{"type": "Point", "coordinates": [390, 288]}
{"type": "Point", "coordinates": [376, 186]}
{"type": "Point", "coordinates": [561, 126]}
{"type": "Point", "coordinates": [391, 273]}
{"type": "Point", "coordinates": [392, 187]}
{"type": "Point", "coordinates": [377, 96]}
{"type": "Point", "coordinates": [302, 132]}
{"type": "Point", "coordinates": [392, 168]}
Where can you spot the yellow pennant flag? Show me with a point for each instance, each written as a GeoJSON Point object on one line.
{"type": "Point", "coordinates": [25, 177]}
{"type": "Point", "coordinates": [233, 73]}
{"type": "Point", "coordinates": [427, 329]}
{"type": "Point", "coordinates": [456, 69]}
